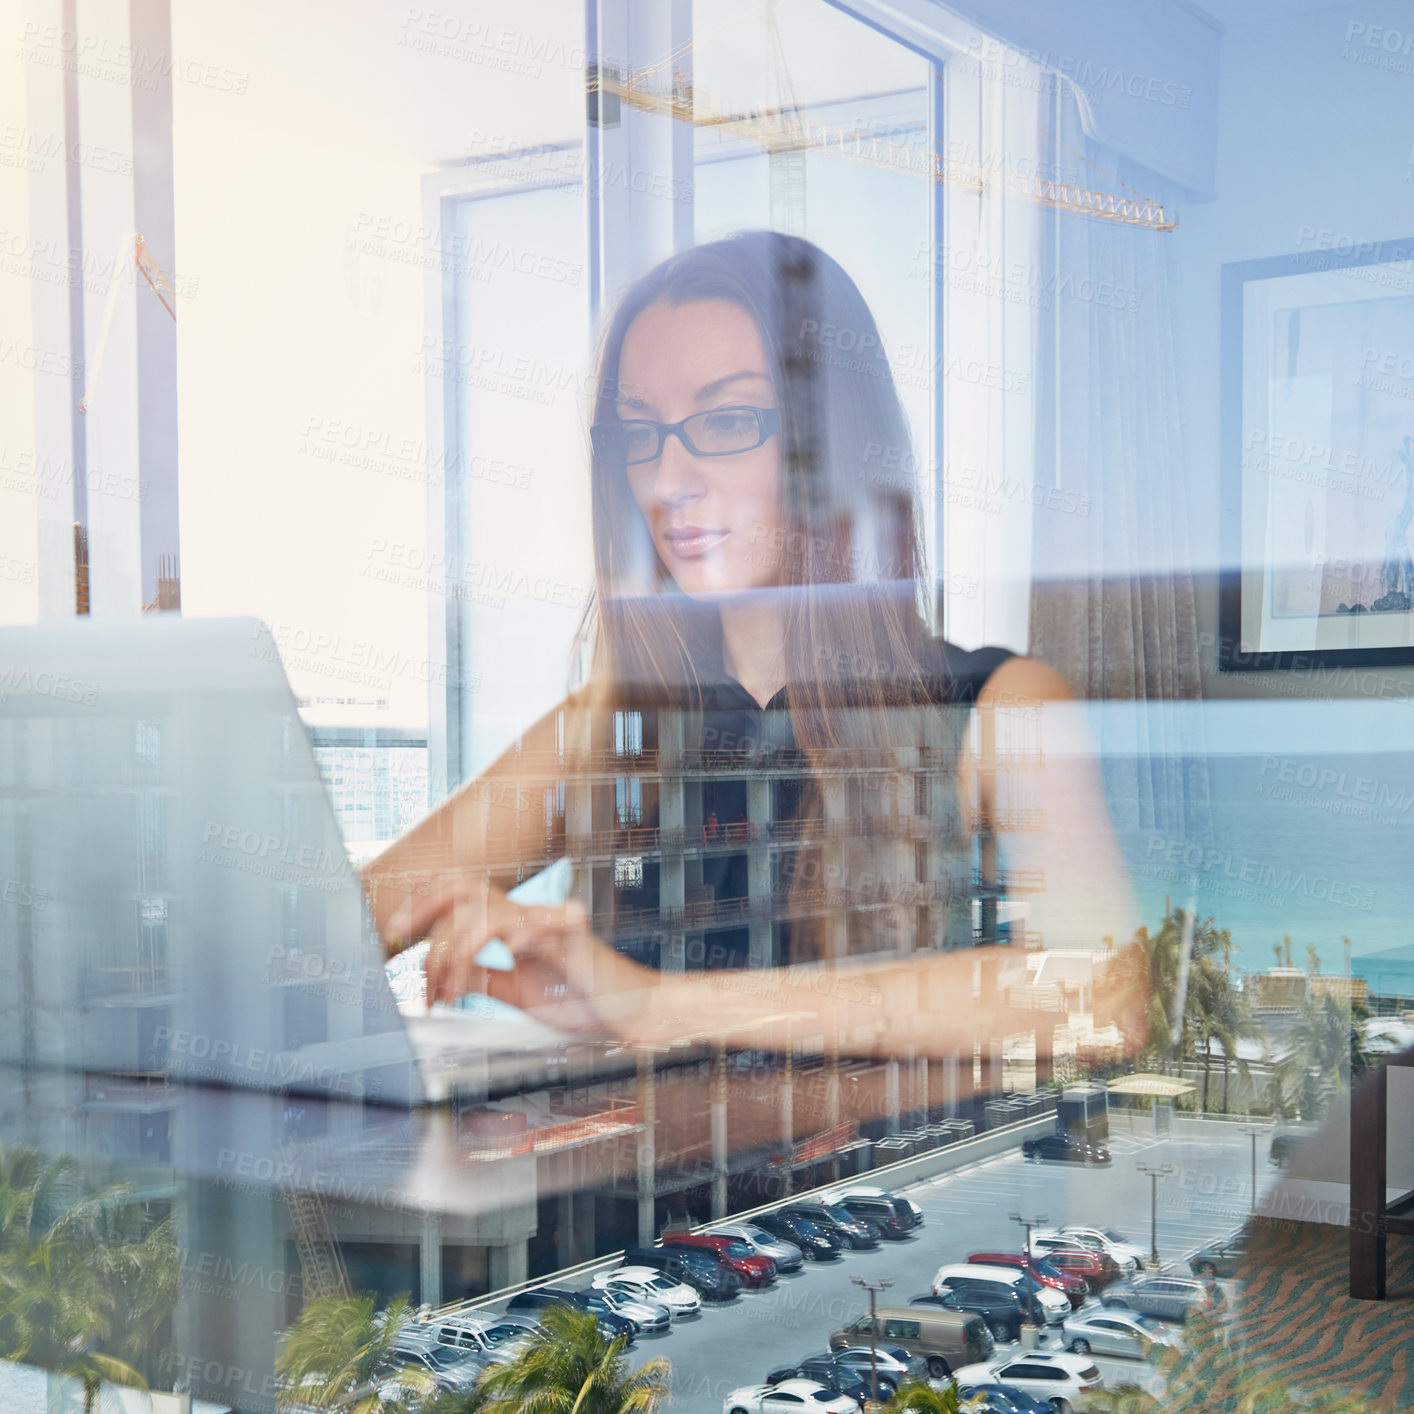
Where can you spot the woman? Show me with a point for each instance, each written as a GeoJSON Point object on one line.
{"type": "Point", "coordinates": [758, 597]}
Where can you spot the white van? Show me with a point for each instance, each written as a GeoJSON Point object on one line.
{"type": "Point", "coordinates": [1055, 1304]}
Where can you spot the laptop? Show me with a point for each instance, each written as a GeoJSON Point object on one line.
{"type": "Point", "coordinates": [175, 897]}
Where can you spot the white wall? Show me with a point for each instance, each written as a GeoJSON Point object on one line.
{"type": "Point", "coordinates": [1313, 147]}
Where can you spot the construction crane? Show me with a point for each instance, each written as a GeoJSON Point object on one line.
{"type": "Point", "coordinates": [665, 88]}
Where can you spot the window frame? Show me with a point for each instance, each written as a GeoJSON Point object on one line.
{"type": "Point", "coordinates": [617, 249]}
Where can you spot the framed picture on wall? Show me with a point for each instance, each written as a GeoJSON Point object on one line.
{"type": "Point", "coordinates": [1318, 453]}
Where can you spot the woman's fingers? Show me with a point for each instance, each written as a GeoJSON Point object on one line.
{"type": "Point", "coordinates": [412, 919]}
{"type": "Point", "coordinates": [463, 920]}
{"type": "Point", "coordinates": [560, 967]}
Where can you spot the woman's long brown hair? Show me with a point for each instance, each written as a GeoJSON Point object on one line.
{"type": "Point", "coordinates": [856, 644]}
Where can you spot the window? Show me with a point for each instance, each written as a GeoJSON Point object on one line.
{"type": "Point", "coordinates": [901, 1330]}
{"type": "Point", "coordinates": [152, 835]}
{"type": "Point", "coordinates": [1026, 1372]}
{"type": "Point", "coordinates": [628, 800]}
{"type": "Point", "coordinates": [516, 380]}
{"type": "Point", "coordinates": [149, 742]}
{"type": "Point", "coordinates": [554, 806]}
{"type": "Point", "coordinates": [628, 733]}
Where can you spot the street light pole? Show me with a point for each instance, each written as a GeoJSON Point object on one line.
{"type": "Point", "coordinates": [1028, 1224]}
{"type": "Point", "coordinates": [873, 1288]}
{"type": "Point", "coordinates": [1155, 1174]}
{"type": "Point", "coordinates": [1252, 1134]}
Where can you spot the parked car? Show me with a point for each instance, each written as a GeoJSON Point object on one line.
{"type": "Point", "coordinates": [1002, 1310]}
{"type": "Point", "coordinates": [1221, 1258]}
{"type": "Point", "coordinates": [1098, 1269]}
{"type": "Point", "coordinates": [1075, 1289]}
{"type": "Point", "coordinates": [455, 1370]}
{"type": "Point", "coordinates": [1116, 1332]}
{"type": "Point", "coordinates": [787, 1256]}
{"type": "Point", "coordinates": [902, 1206]}
{"type": "Point", "coordinates": [650, 1284]}
{"type": "Point", "coordinates": [896, 1366]}
{"type": "Point", "coordinates": [1064, 1148]}
{"type": "Point", "coordinates": [1172, 1298]}
{"type": "Point", "coordinates": [945, 1339]}
{"type": "Point", "coordinates": [697, 1268]}
{"type": "Point", "coordinates": [400, 1387]}
{"type": "Point", "coordinates": [1065, 1382]}
{"type": "Point", "coordinates": [651, 1316]}
{"type": "Point", "coordinates": [882, 1213]}
{"type": "Point", "coordinates": [838, 1221]}
{"type": "Point", "coordinates": [499, 1338]}
{"type": "Point", "coordinates": [734, 1254]}
{"type": "Point", "coordinates": [1052, 1305]}
{"type": "Point", "coordinates": [1106, 1239]}
{"type": "Point", "coordinates": [813, 1240]}
{"type": "Point", "coordinates": [788, 1397]}
{"type": "Point", "coordinates": [611, 1324]}
{"type": "Point", "coordinates": [1003, 1399]}
{"type": "Point", "coordinates": [824, 1371]}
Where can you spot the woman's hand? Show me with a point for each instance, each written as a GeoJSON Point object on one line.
{"type": "Point", "coordinates": [563, 974]}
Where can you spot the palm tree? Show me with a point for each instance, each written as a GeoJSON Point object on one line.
{"type": "Point", "coordinates": [1313, 959]}
{"type": "Point", "coordinates": [87, 1282]}
{"type": "Point", "coordinates": [1327, 1049]}
{"type": "Point", "coordinates": [1220, 1012]}
{"type": "Point", "coordinates": [921, 1398]}
{"type": "Point", "coordinates": [142, 1275]}
{"type": "Point", "coordinates": [54, 1310]}
{"type": "Point", "coordinates": [337, 1349]}
{"type": "Point", "coordinates": [569, 1367]}
{"type": "Point", "coordinates": [1211, 1009]}
{"type": "Point", "coordinates": [447, 1401]}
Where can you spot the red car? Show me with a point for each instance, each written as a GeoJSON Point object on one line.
{"type": "Point", "coordinates": [731, 1252]}
{"type": "Point", "coordinates": [1098, 1268]}
{"type": "Point", "coordinates": [1075, 1287]}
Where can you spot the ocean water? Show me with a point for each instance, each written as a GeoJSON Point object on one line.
{"type": "Point", "coordinates": [1320, 847]}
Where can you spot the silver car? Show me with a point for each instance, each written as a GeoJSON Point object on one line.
{"type": "Point", "coordinates": [1162, 1294]}
{"type": "Point", "coordinates": [895, 1364]}
{"type": "Point", "coordinates": [646, 1315]}
{"type": "Point", "coordinates": [451, 1369]}
{"type": "Point", "coordinates": [786, 1255]}
{"type": "Point", "coordinates": [499, 1339]}
{"type": "Point", "coordinates": [1125, 1333]}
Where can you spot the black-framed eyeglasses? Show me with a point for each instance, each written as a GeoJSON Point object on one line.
{"type": "Point", "coordinates": [723, 432]}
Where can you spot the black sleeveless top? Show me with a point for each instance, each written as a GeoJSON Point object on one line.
{"type": "Point", "coordinates": [707, 876]}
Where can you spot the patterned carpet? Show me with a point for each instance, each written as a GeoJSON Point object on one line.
{"type": "Point", "coordinates": [1296, 1331]}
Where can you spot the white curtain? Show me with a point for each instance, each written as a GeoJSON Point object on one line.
{"type": "Point", "coordinates": [1062, 495]}
{"type": "Point", "coordinates": [985, 262]}
{"type": "Point", "coordinates": [1112, 600]}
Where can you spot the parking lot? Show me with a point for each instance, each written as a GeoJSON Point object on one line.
{"type": "Point", "coordinates": [1207, 1195]}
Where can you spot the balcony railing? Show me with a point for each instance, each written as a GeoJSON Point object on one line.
{"type": "Point", "coordinates": [607, 1123]}
{"type": "Point", "coordinates": [119, 983]}
{"type": "Point", "coordinates": [784, 904]}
